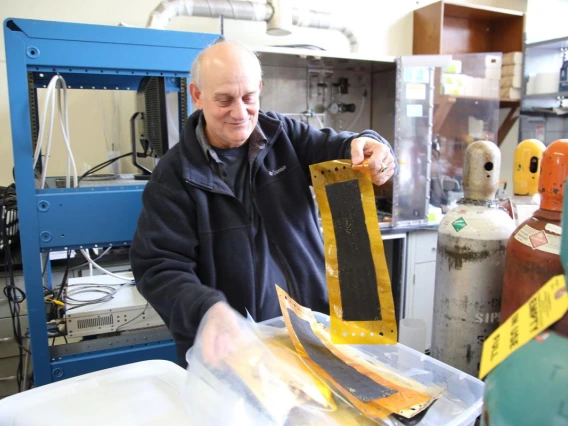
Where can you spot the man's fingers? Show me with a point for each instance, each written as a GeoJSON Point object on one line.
{"type": "Point", "coordinates": [379, 177]}
{"type": "Point", "coordinates": [357, 151]}
{"type": "Point", "coordinates": [380, 158]}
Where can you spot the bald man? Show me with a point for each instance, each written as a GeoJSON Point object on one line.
{"type": "Point", "coordinates": [228, 212]}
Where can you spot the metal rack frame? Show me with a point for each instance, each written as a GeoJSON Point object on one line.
{"type": "Point", "coordinates": [90, 57]}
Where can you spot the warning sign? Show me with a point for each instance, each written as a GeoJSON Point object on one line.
{"type": "Point", "coordinates": [459, 224]}
{"type": "Point", "coordinates": [538, 239]}
{"type": "Point", "coordinates": [543, 309]}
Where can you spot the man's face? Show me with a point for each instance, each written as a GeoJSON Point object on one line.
{"type": "Point", "coordinates": [229, 98]}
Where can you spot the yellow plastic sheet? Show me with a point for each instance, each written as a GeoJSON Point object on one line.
{"type": "Point", "coordinates": [354, 332]}
{"type": "Point", "coordinates": [279, 379]}
{"type": "Point", "coordinates": [410, 397]}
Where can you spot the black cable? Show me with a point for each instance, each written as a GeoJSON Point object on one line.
{"type": "Point", "coordinates": [53, 311]}
{"type": "Point", "coordinates": [102, 166]}
{"type": "Point", "coordinates": [108, 295]}
{"type": "Point", "coordinates": [44, 268]}
{"type": "Point", "coordinates": [14, 295]}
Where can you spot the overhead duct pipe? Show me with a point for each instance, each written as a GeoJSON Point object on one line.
{"type": "Point", "coordinates": [324, 21]}
{"type": "Point", "coordinates": [278, 17]}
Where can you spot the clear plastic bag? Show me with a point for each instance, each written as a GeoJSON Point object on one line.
{"type": "Point", "coordinates": [260, 381]}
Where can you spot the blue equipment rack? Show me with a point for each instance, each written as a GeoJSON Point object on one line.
{"type": "Point", "coordinates": [93, 57]}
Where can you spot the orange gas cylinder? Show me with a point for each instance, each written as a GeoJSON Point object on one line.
{"type": "Point", "coordinates": [534, 248]}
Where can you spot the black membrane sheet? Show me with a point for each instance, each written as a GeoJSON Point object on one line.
{"type": "Point", "coordinates": [357, 278]}
{"type": "Point", "coordinates": [361, 386]}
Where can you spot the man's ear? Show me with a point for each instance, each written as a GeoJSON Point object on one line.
{"type": "Point", "coordinates": [195, 95]}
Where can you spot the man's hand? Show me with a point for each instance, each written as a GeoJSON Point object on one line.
{"type": "Point", "coordinates": [379, 158]}
{"type": "Point", "coordinates": [219, 335]}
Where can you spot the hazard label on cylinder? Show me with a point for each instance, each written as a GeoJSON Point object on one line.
{"type": "Point", "coordinates": [459, 224]}
{"type": "Point", "coordinates": [538, 240]}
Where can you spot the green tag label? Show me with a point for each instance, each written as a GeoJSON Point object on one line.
{"type": "Point", "coordinates": [459, 224]}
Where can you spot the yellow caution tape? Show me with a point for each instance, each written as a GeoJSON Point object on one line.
{"type": "Point", "coordinates": [547, 306]}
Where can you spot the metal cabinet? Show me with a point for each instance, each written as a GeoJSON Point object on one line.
{"type": "Point", "coordinates": [89, 57]}
{"type": "Point", "coordinates": [421, 278]}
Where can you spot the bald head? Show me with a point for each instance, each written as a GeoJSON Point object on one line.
{"type": "Point", "coordinates": [226, 54]}
{"type": "Point", "coordinates": [226, 83]}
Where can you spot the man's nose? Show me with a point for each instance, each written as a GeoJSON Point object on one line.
{"type": "Point", "coordinates": [239, 110]}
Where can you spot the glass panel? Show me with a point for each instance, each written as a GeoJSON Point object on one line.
{"type": "Point", "coordinates": [444, 103]}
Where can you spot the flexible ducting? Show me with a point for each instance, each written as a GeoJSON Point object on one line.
{"type": "Point", "coordinates": [245, 11]}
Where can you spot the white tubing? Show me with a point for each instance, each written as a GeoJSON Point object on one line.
{"type": "Point", "coordinates": [161, 16]}
{"type": "Point", "coordinates": [324, 21]}
{"type": "Point", "coordinates": [359, 113]}
{"type": "Point", "coordinates": [239, 10]}
{"type": "Point", "coordinates": [92, 263]}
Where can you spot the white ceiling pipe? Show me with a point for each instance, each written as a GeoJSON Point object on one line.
{"type": "Point", "coordinates": [280, 23]}
{"type": "Point", "coordinates": [239, 10]}
{"type": "Point", "coordinates": [276, 15]}
{"type": "Point", "coordinates": [324, 21]}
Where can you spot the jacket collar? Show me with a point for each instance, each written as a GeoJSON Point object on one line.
{"type": "Point", "coordinates": [195, 164]}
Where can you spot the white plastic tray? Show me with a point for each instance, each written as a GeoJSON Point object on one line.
{"type": "Point", "coordinates": [139, 394]}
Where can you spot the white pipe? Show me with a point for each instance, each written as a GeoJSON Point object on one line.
{"type": "Point", "coordinates": [271, 12]}
{"type": "Point", "coordinates": [280, 24]}
{"type": "Point", "coordinates": [239, 10]}
{"type": "Point", "coordinates": [323, 21]}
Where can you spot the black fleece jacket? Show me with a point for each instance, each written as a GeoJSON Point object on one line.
{"type": "Point", "coordinates": [193, 246]}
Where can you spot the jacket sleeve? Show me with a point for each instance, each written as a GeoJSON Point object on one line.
{"type": "Point", "coordinates": [163, 259]}
{"type": "Point", "coordinates": [316, 145]}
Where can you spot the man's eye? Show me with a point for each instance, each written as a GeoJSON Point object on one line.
{"type": "Point", "coordinates": [224, 102]}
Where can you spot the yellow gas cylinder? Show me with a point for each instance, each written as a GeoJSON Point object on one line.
{"type": "Point", "coordinates": [526, 172]}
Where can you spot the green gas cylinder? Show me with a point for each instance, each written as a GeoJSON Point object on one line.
{"type": "Point", "coordinates": [530, 388]}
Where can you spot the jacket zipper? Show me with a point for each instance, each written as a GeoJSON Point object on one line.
{"type": "Point", "coordinates": [251, 240]}
{"type": "Point", "coordinates": [289, 282]}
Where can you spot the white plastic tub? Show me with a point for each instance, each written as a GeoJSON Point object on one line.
{"type": "Point", "coordinates": [151, 393]}
{"type": "Point", "coordinates": [460, 404]}
{"type": "Point", "coordinates": [140, 394]}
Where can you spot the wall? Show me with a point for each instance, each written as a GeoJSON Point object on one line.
{"type": "Point", "coordinates": [541, 24]}
{"type": "Point", "coordinates": [383, 28]}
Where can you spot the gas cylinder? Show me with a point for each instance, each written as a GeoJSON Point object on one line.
{"type": "Point", "coordinates": [530, 386]}
{"type": "Point", "coordinates": [526, 172]}
{"type": "Point", "coordinates": [534, 248]}
{"type": "Point", "coordinates": [472, 239]}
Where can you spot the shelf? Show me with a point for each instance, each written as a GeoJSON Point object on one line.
{"type": "Point", "coordinates": [509, 103]}
{"type": "Point", "coordinates": [470, 11]}
{"type": "Point", "coordinates": [554, 44]}
{"type": "Point", "coordinates": [448, 27]}
{"type": "Point", "coordinates": [504, 103]}
{"type": "Point", "coordinates": [541, 112]}
{"type": "Point", "coordinates": [548, 96]}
